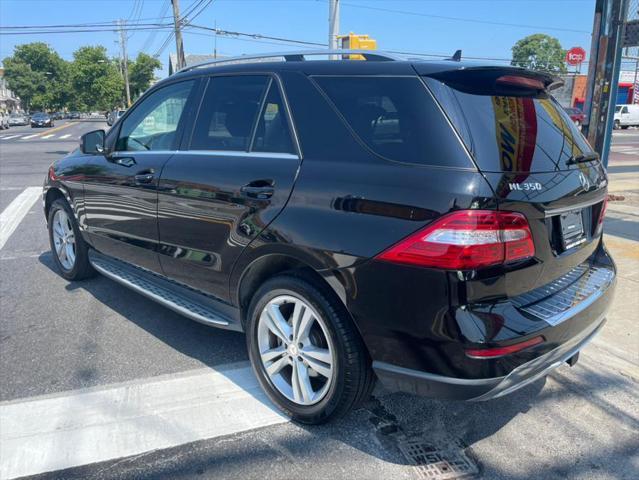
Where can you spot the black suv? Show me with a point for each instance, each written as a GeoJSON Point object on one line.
{"type": "Point", "coordinates": [436, 225]}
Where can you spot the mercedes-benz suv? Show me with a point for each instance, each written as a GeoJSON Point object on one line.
{"type": "Point", "coordinates": [436, 225]}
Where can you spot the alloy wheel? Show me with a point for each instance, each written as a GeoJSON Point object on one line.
{"type": "Point", "coordinates": [64, 239]}
{"type": "Point", "coordinates": [295, 349]}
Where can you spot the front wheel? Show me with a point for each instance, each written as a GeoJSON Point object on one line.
{"type": "Point", "coordinates": [305, 350]}
{"type": "Point", "coordinates": [70, 251]}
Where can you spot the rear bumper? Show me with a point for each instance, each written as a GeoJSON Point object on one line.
{"type": "Point", "coordinates": [397, 378]}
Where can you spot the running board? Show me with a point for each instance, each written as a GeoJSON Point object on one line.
{"type": "Point", "coordinates": [180, 299]}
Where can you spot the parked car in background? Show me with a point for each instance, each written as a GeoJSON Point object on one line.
{"type": "Point", "coordinates": [4, 121]}
{"type": "Point", "coordinates": [576, 115]}
{"type": "Point", "coordinates": [626, 116]}
{"type": "Point", "coordinates": [18, 119]}
{"type": "Point", "coordinates": [74, 115]}
{"type": "Point", "coordinates": [114, 116]}
{"type": "Point", "coordinates": [41, 119]}
{"type": "Point", "coordinates": [436, 225]}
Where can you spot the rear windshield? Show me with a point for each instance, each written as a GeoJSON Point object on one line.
{"type": "Point", "coordinates": [396, 118]}
{"type": "Point", "coordinates": [512, 133]}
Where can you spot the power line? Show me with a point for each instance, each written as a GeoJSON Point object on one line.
{"type": "Point", "coordinates": [256, 36]}
{"type": "Point", "coordinates": [150, 40]}
{"type": "Point", "coordinates": [459, 19]}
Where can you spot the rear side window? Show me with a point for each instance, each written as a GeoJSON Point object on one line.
{"type": "Point", "coordinates": [511, 133]}
{"type": "Point", "coordinates": [228, 112]}
{"type": "Point", "coordinates": [396, 118]}
{"type": "Point", "coordinates": [273, 133]}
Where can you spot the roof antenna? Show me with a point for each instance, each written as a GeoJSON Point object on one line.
{"type": "Point", "coordinates": [456, 56]}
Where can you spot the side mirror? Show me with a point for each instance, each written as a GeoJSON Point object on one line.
{"type": "Point", "coordinates": [92, 143]}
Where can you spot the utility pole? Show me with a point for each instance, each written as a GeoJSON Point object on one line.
{"type": "Point", "coordinates": [333, 25]}
{"type": "Point", "coordinates": [603, 72]}
{"type": "Point", "coordinates": [179, 46]}
{"type": "Point", "coordinates": [125, 64]}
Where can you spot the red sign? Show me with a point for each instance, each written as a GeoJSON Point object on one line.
{"type": "Point", "coordinates": [575, 56]}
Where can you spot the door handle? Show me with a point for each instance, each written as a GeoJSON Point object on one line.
{"type": "Point", "coordinates": [260, 189]}
{"type": "Point", "coordinates": [145, 176]}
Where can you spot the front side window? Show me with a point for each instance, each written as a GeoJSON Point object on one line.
{"type": "Point", "coordinates": [624, 110]}
{"type": "Point", "coordinates": [153, 124]}
{"type": "Point", "coordinates": [228, 112]}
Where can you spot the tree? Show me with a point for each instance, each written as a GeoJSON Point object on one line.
{"type": "Point", "coordinates": [95, 80]}
{"type": "Point", "coordinates": [539, 52]}
{"type": "Point", "coordinates": [38, 75]}
{"type": "Point", "coordinates": [141, 73]}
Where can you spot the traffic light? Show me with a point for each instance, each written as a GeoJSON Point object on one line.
{"type": "Point", "coordinates": [357, 42]}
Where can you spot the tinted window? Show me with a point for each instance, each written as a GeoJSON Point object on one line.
{"type": "Point", "coordinates": [153, 123]}
{"type": "Point", "coordinates": [396, 118]}
{"type": "Point", "coordinates": [513, 133]}
{"type": "Point", "coordinates": [228, 112]}
{"type": "Point", "coordinates": [624, 110]}
{"type": "Point", "coordinates": [272, 133]}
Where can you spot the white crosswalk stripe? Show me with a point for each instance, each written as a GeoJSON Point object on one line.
{"type": "Point", "coordinates": [48, 136]}
{"type": "Point", "coordinates": [11, 216]}
{"type": "Point", "coordinates": [29, 136]}
{"type": "Point", "coordinates": [10, 136]}
{"type": "Point", "coordinates": [50, 433]}
{"type": "Point", "coordinates": [65, 136]}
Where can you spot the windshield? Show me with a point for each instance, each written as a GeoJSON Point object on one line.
{"type": "Point", "coordinates": [617, 108]}
{"type": "Point", "coordinates": [513, 133]}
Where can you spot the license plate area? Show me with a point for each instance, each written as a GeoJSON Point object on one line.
{"type": "Point", "coordinates": [572, 229]}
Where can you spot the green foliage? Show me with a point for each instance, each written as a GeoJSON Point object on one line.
{"type": "Point", "coordinates": [539, 52]}
{"type": "Point", "coordinates": [38, 75]}
{"type": "Point", "coordinates": [94, 79]}
{"type": "Point", "coordinates": [141, 73]}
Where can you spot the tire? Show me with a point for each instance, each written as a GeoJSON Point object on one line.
{"type": "Point", "coordinates": [617, 125]}
{"type": "Point", "coordinates": [79, 268]}
{"type": "Point", "coordinates": [330, 330]}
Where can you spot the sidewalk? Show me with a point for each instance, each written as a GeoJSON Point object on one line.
{"type": "Point", "coordinates": [622, 239]}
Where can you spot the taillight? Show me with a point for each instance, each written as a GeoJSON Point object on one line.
{"type": "Point", "coordinates": [466, 240]}
{"type": "Point", "coordinates": [501, 351]}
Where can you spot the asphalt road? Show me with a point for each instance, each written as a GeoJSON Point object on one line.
{"type": "Point", "coordinates": [73, 343]}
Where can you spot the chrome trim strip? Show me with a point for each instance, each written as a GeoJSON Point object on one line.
{"type": "Point", "coordinates": [176, 308]}
{"type": "Point", "coordinates": [130, 153]}
{"type": "Point", "coordinates": [234, 153]}
{"type": "Point", "coordinates": [556, 211]}
{"type": "Point", "coordinates": [389, 367]}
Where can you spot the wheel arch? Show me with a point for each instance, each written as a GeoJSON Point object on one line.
{"type": "Point", "coordinates": [260, 269]}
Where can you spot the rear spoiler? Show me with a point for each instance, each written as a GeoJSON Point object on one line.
{"type": "Point", "coordinates": [495, 80]}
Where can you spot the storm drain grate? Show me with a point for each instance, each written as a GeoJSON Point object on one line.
{"type": "Point", "coordinates": [437, 462]}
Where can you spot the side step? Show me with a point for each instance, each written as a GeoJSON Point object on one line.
{"type": "Point", "coordinates": [179, 298]}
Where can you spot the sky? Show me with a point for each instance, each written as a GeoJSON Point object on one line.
{"type": "Point", "coordinates": [481, 28]}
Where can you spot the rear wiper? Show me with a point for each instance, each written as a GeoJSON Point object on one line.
{"type": "Point", "coordinates": [581, 158]}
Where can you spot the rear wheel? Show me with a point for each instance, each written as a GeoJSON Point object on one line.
{"type": "Point", "coordinates": [70, 251]}
{"type": "Point", "coordinates": [305, 350]}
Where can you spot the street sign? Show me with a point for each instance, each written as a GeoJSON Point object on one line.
{"type": "Point", "coordinates": [575, 56]}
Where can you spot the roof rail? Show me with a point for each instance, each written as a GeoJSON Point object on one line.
{"type": "Point", "coordinates": [296, 57]}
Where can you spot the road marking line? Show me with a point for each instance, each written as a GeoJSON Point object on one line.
{"type": "Point", "coordinates": [60, 431]}
{"type": "Point", "coordinates": [10, 136]}
{"type": "Point", "coordinates": [48, 136]}
{"type": "Point", "coordinates": [65, 136]}
{"type": "Point", "coordinates": [11, 217]}
{"type": "Point", "coordinates": [51, 130]}
{"type": "Point", "coordinates": [29, 136]}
